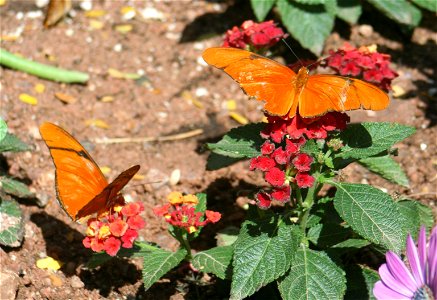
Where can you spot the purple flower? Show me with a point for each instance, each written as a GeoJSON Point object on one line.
{"type": "Point", "coordinates": [415, 280]}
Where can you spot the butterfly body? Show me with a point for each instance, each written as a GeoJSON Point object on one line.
{"type": "Point", "coordinates": [286, 93]}
{"type": "Point", "coordinates": [81, 187]}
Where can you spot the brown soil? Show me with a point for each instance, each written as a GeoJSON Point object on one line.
{"type": "Point", "coordinates": [167, 52]}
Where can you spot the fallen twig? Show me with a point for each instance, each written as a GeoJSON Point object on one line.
{"type": "Point", "coordinates": [167, 138]}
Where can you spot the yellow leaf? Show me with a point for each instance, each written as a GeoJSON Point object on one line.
{"type": "Point", "coordinates": [126, 9]}
{"type": "Point", "coordinates": [65, 98]}
{"type": "Point", "coordinates": [398, 91]}
{"type": "Point", "coordinates": [39, 88]}
{"type": "Point", "coordinates": [9, 38]}
{"type": "Point", "coordinates": [55, 280]}
{"type": "Point", "coordinates": [97, 123]}
{"type": "Point", "coordinates": [94, 24]}
{"type": "Point", "coordinates": [107, 99]}
{"type": "Point", "coordinates": [105, 170]}
{"type": "Point", "coordinates": [95, 13]}
{"type": "Point", "coordinates": [48, 263]}
{"type": "Point", "coordinates": [123, 28]}
{"type": "Point", "coordinates": [239, 118]}
{"type": "Point", "coordinates": [120, 75]}
{"type": "Point", "coordinates": [231, 104]}
{"type": "Point", "coordinates": [189, 97]}
{"type": "Point", "coordinates": [138, 177]}
{"type": "Point", "coordinates": [26, 98]}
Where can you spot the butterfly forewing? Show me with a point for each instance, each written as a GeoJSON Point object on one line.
{"type": "Point", "coordinates": [108, 197]}
{"type": "Point", "coordinates": [78, 178]}
{"type": "Point", "coordinates": [259, 77]}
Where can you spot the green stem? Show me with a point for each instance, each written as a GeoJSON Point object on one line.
{"type": "Point", "coordinates": [182, 238]}
{"type": "Point", "coordinates": [44, 71]}
{"type": "Point", "coordinates": [307, 205]}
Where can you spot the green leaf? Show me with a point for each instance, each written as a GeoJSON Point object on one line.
{"type": "Point", "coordinates": [13, 144]}
{"type": "Point", "coordinates": [15, 187]}
{"type": "Point", "coordinates": [3, 129]}
{"type": "Point", "coordinates": [262, 253]}
{"type": "Point", "coordinates": [216, 260]}
{"type": "Point", "coordinates": [261, 8]}
{"type": "Point", "coordinates": [227, 236]}
{"type": "Point", "coordinates": [352, 243]}
{"type": "Point", "coordinates": [313, 275]}
{"type": "Point", "coordinates": [327, 234]}
{"type": "Point", "coordinates": [386, 167]}
{"type": "Point", "coordinates": [360, 282]}
{"type": "Point", "coordinates": [201, 205]}
{"type": "Point", "coordinates": [241, 142]}
{"type": "Point", "coordinates": [368, 139]}
{"type": "Point", "coordinates": [349, 10]}
{"type": "Point", "coordinates": [426, 4]}
{"type": "Point", "coordinates": [217, 161]}
{"type": "Point", "coordinates": [400, 11]}
{"type": "Point", "coordinates": [158, 263]}
{"type": "Point", "coordinates": [308, 24]}
{"type": "Point", "coordinates": [426, 215]}
{"type": "Point", "coordinates": [310, 147]}
{"type": "Point", "coordinates": [410, 211]}
{"type": "Point", "coordinates": [11, 225]}
{"type": "Point", "coordinates": [372, 214]}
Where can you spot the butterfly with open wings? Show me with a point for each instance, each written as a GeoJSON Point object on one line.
{"type": "Point", "coordinates": [286, 93]}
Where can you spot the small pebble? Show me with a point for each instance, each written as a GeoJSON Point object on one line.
{"type": "Point", "coordinates": [118, 47]}
{"type": "Point", "coordinates": [76, 283]}
{"type": "Point", "coordinates": [41, 3]}
{"type": "Point", "coordinates": [86, 5]}
{"type": "Point", "coordinates": [365, 30]}
{"type": "Point", "coordinates": [201, 92]}
{"type": "Point", "coordinates": [69, 32]}
{"type": "Point", "coordinates": [423, 146]}
{"type": "Point", "coordinates": [175, 176]}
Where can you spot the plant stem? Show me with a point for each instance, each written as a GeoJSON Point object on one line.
{"type": "Point", "coordinates": [44, 71]}
{"type": "Point", "coordinates": [307, 205]}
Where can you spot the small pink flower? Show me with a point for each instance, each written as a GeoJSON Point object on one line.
{"type": "Point", "coordinates": [281, 194]}
{"type": "Point", "coordinates": [112, 245]}
{"type": "Point", "coordinates": [304, 180]}
{"type": "Point", "coordinates": [275, 177]}
{"type": "Point", "coordinates": [263, 200]}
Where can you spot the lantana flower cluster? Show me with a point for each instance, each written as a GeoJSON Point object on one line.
{"type": "Point", "coordinates": [282, 161]}
{"type": "Point", "coordinates": [253, 36]}
{"type": "Point", "coordinates": [181, 212]}
{"type": "Point", "coordinates": [115, 229]}
{"type": "Point", "coordinates": [365, 63]}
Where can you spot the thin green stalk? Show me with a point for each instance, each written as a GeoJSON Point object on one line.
{"type": "Point", "coordinates": [307, 205]}
{"type": "Point", "coordinates": [44, 71]}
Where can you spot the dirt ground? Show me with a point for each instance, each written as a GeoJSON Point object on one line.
{"type": "Point", "coordinates": [176, 93]}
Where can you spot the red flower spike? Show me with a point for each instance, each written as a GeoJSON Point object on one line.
{"type": "Point", "coordinates": [112, 245]}
{"type": "Point", "coordinates": [212, 216]}
{"type": "Point", "coordinates": [275, 177]}
{"type": "Point", "coordinates": [118, 227]}
{"type": "Point", "coordinates": [281, 194]}
{"type": "Point", "coordinates": [302, 162]}
{"type": "Point", "coordinates": [136, 222]}
{"type": "Point", "coordinates": [263, 200]}
{"type": "Point", "coordinates": [304, 180]}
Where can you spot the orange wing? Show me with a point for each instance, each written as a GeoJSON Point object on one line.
{"type": "Point", "coordinates": [259, 77]}
{"type": "Point", "coordinates": [324, 93]}
{"type": "Point", "coordinates": [79, 181]}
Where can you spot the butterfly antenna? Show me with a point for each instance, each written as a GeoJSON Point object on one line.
{"type": "Point", "coordinates": [318, 61]}
{"type": "Point", "coordinates": [293, 52]}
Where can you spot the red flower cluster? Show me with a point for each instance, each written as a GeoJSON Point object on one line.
{"type": "Point", "coordinates": [181, 212]}
{"type": "Point", "coordinates": [114, 230]}
{"type": "Point", "coordinates": [281, 159]}
{"type": "Point", "coordinates": [365, 63]}
{"type": "Point", "coordinates": [253, 36]}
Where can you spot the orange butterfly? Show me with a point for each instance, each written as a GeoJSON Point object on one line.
{"type": "Point", "coordinates": [286, 92]}
{"type": "Point", "coordinates": [81, 188]}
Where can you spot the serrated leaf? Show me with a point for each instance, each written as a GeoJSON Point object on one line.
{"type": "Point", "coordinates": [263, 252]}
{"type": "Point", "coordinates": [349, 10]}
{"type": "Point", "coordinates": [387, 168]}
{"type": "Point", "coordinates": [15, 187]}
{"type": "Point", "coordinates": [360, 282]}
{"type": "Point", "coordinates": [410, 210]}
{"type": "Point", "coordinates": [352, 243]}
{"type": "Point", "coordinates": [426, 4]}
{"type": "Point", "coordinates": [308, 24]}
{"type": "Point", "coordinates": [327, 234]}
{"type": "Point", "coordinates": [241, 142]}
{"type": "Point", "coordinates": [426, 215]}
{"type": "Point", "coordinates": [13, 144]}
{"type": "Point", "coordinates": [400, 11]}
{"type": "Point", "coordinates": [261, 8]}
{"type": "Point", "coordinates": [372, 214]}
{"type": "Point", "coordinates": [216, 161]}
{"type": "Point", "coordinates": [216, 260]}
{"type": "Point", "coordinates": [11, 223]}
{"type": "Point", "coordinates": [313, 275]}
{"type": "Point", "coordinates": [158, 263]}
{"type": "Point", "coordinates": [368, 139]}
{"type": "Point", "coordinates": [3, 129]}
{"type": "Point", "coordinates": [310, 147]}
{"type": "Point", "coordinates": [227, 236]}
